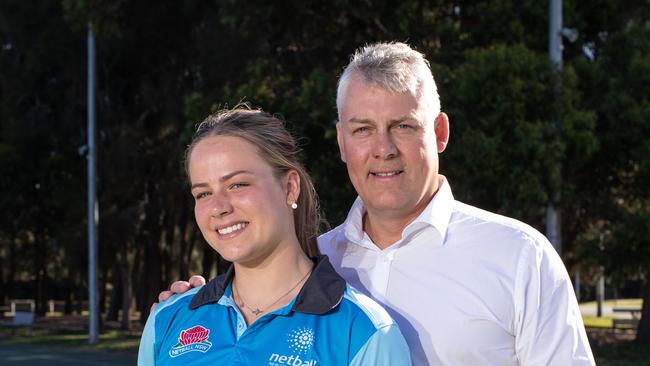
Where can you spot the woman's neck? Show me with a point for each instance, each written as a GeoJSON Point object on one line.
{"type": "Point", "coordinates": [270, 285]}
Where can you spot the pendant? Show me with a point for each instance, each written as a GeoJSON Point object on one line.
{"type": "Point", "coordinates": [257, 312]}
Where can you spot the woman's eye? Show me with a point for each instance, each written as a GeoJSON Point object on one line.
{"type": "Point", "coordinates": [202, 195]}
{"type": "Point", "coordinates": [238, 185]}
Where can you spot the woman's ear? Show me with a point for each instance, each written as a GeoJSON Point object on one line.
{"type": "Point", "coordinates": [292, 186]}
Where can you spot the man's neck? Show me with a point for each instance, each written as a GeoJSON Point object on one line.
{"type": "Point", "coordinates": [386, 228]}
{"type": "Point", "coordinates": [382, 231]}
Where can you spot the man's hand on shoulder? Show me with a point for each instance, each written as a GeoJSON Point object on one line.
{"type": "Point", "coordinates": [179, 287]}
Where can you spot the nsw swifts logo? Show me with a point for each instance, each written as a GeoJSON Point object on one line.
{"type": "Point", "coordinates": [194, 339]}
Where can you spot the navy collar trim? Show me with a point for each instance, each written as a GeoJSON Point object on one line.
{"type": "Point", "coordinates": [321, 293]}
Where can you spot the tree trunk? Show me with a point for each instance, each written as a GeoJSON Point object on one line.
{"type": "Point", "coordinates": [168, 247]}
{"type": "Point", "coordinates": [151, 275]}
{"type": "Point", "coordinates": [184, 254]}
{"type": "Point", "coordinates": [11, 276]}
{"type": "Point", "coordinates": [116, 299]}
{"type": "Point", "coordinates": [69, 285]}
{"type": "Point", "coordinates": [3, 290]}
{"type": "Point", "coordinates": [103, 281]}
{"type": "Point", "coordinates": [82, 289]}
{"type": "Point", "coordinates": [643, 332]}
{"type": "Point", "coordinates": [136, 274]}
{"type": "Point", "coordinates": [41, 275]}
{"type": "Point", "coordinates": [126, 298]}
{"type": "Point", "coordinates": [207, 261]}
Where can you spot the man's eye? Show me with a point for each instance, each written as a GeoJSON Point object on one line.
{"type": "Point", "coordinates": [360, 129]}
{"type": "Point", "coordinates": [403, 126]}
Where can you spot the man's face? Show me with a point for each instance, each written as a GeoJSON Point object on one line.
{"type": "Point", "coordinates": [390, 143]}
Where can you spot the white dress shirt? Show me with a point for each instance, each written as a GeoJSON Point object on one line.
{"type": "Point", "coordinates": [466, 286]}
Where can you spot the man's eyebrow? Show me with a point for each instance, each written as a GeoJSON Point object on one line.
{"type": "Point", "coordinates": [360, 120]}
{"type": "Point", "coordinates": [222, 179]}
{"type": "Point", "coordinates": [393, 120]}
{"type": "Point", "coordinates": [404, 118]}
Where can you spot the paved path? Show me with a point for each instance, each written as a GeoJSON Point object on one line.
{"type": "Point", "coordinates": [34, 355]}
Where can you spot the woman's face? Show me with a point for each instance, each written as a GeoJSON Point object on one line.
{"type": "Point", "coordinates": [242, 209]}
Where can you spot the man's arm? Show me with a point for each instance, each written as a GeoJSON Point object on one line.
{"type": "Point", "coordinates": [548, 324]}
{"type": "Point", "coordinates": [179, 287]}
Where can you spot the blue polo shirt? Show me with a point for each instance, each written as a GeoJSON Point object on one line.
{"type": "Point", "coordinates": [327, 324]}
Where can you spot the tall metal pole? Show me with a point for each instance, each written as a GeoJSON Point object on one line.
{"type": "Point", "coordinates": [553, 218]}
{"type": "Point", "coordinates": [93, 211]}
{"type": "Point", "coordinates": [600, 292]}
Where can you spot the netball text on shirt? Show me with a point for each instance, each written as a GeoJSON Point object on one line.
{"type": "Point", "coordinates": [194, 339]}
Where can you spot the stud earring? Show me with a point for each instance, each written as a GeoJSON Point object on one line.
{"type": "Point", "coordinates": [294, 205]}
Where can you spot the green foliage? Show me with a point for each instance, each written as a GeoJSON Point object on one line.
{"type": "Point", "coordinates": [509, 134]}
{"type": "Point", "coordinates": [163, 66]}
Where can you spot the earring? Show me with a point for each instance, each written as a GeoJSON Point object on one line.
{"type": "Point", "coordinates": [294, 205]}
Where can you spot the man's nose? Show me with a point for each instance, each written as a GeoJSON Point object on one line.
{"type": "Point", "coordinates": [384, 147]}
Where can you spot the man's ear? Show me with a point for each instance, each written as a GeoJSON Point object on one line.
{"type": "Point", "coordinates": [341, 142]}
{"type": "Point", "coordinates": [441, 128]}
{"type": "Point", "coordinates": [292, 184]}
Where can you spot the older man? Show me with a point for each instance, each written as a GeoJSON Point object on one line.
{"type": "Point", "coordinates": [466, 286]}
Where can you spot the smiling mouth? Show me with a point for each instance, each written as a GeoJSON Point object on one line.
{"type": "Point", "coordinates": [233, 228]}
{"type": "Point", "coordinates": [387, 174]}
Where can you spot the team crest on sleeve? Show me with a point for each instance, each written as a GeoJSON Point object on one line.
{"type": "Point", "coordinates": [194, 339]}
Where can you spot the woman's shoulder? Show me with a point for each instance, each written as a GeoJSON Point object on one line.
{"type": "Point", "coordinates": [175, 303]}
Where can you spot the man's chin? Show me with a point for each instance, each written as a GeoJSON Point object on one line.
{"type": "Point", "coordinates": [391, 204]}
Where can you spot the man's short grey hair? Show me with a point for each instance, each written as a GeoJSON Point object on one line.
{"type": "Point", "coordinates": [394, 66]}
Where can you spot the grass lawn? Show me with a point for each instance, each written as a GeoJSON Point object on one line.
{"type": "Point", "coordinates": [622, 354]}
{"type": "Point", "coordinates": [609, 347]}
{"type": "Point", "coordinates": [624, 303]}
{"type": "Point", "coordinates": [113, 341]}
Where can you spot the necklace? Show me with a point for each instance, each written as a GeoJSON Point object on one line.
{"type": "Point", "coordinates": [257, 311]}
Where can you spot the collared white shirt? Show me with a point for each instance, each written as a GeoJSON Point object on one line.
{"type": "Point", "coordinates": [466, 286]}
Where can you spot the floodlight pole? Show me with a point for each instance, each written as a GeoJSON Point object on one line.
{"type": "Point", "coordinates": [93, 210]}
{"type": "Point", "coordinates": [553, 217]}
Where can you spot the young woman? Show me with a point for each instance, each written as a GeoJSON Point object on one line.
{"type": "Point", "coordinates": [279, 303]}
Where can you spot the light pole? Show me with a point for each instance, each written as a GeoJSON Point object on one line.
{"type": "Point", "coordinates": [553, 217]}
{"type": "Point", "coordinates": [93, 210]}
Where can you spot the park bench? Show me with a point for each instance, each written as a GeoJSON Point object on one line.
{"type": "Point", "coordinates": [22, 313]}
{"type": "Point", "coordinates": [22, 319]}
{"type": "Point", "coordinates": [631, 322]}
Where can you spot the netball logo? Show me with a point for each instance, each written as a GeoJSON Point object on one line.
{"type": "Point", "coordinates": [301, 340]}
{"type": "Point", "coordinates": [194, 339]}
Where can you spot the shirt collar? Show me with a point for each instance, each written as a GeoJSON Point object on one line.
{"type": "Point", "coordinates": [322, 291]}
{"type": "Point", "coordinates": [436, 214]}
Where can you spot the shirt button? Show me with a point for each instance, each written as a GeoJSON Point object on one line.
{"type": "Point", "coordinates": [240, 326]}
